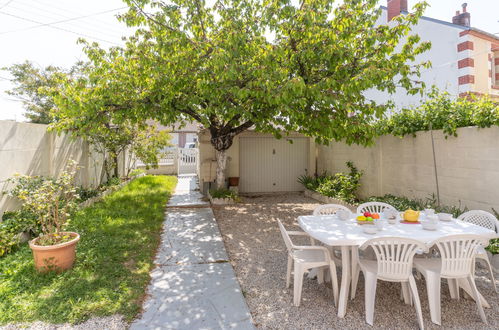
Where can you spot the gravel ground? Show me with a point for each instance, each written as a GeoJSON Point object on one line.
{"type": "Point", "coordinates": [258, 255]}
{"type": "Point", "coordinates": [114, 322]}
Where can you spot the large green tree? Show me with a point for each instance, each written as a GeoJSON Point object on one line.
{"type": "Point", "coordinates": [275, 65]}
{"type": "Point", "coordinates": [30, 83]}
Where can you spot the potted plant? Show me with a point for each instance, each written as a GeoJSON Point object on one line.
{"type": "Point", "coordinates": [52, 200]}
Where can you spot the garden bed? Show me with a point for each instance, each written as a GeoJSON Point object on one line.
{"type": "Point", "coordinates": [119, 237]}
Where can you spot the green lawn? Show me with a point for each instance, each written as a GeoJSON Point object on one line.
{"type": "Point", "coordinates": [119, 237]}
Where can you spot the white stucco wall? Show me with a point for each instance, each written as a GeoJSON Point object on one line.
{"type": "Point", "coordinates": [30, 149]}
{"type": "Point", "coordinates": [443, 55]}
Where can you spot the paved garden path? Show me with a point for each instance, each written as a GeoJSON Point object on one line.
{"type": "Point", "coordinates": [193, 285]}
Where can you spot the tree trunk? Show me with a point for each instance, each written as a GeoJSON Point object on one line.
{"type": "Point", "coordinates": [221, 165]}
{"type": "Point", "coordinates": [116, 168]}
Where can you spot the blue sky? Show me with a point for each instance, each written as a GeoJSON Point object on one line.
{"type": "Point", "coordinates": [24, 37]}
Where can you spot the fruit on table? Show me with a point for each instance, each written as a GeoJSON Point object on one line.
{"type": "Point", "coordinates": [367, 214]}
{"type": "Point", "coordinates": [369, 219]}
{"type": "Point", "coordinates": [375, 215]}
{"type": "Point", "coordinates": [361, 218]}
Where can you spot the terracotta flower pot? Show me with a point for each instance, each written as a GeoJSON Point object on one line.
{"type": "Point", "coordinates": [57, 257]}
{"type": "Point", "coordinates": [234, 181]}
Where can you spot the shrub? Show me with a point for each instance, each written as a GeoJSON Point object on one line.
{"type": "Point", "coordinates": [86, 193]}
{"type": "Point", "coordinates": [340, 185]}
{"type": "Point", "coordinates": [404, 203]}
{"type": "Point", "coordinates": [224, 193]}
{"type": "Point", "coordinates": [442, 112]}
{"type": "Point", "coordinates": [12, 225]}
{"type": "Point", "coordinates": [52, 200]}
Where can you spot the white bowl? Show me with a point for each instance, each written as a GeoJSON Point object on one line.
{"type": "Point", "coordinates": [343, 215]}
{"type": "Point", "coordinates": [444, 216]}
{"type": "Point", "coordinates": [427, 225]}
{"type": "Point", "coordinates": [369, 229]}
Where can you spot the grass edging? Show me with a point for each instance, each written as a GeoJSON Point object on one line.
{"type": "Point", "coordinates": [120, 235]}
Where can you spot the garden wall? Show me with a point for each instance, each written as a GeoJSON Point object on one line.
{"type": "Point", "coordinates": [467, 166]}
{"type": "Point", "coordinates": [27, 148]}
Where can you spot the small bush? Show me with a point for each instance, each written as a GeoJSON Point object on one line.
{"type": "Point", "coordinates": [224, 193]}
{"type": "Point", "coordinates": [404, 203]}
{"type": "Point", "coordinates": [340, 185]}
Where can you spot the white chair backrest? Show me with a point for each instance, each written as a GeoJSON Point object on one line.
{"type": "Point", "coordinates": [394, 256]}
{"type": "Point", "coordinates": [285, 237]}
{"type": "Point", "coordinates": [457, 253]}
{"type": "Point", "coordinates": [374, 207]}
{"type": "Point", "coordinates": [481, 218]}
{"type": "Point", "coordinates": [329, 209]}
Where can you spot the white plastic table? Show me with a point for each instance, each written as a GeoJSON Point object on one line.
{"type": "Point", "coordinates": [348, 235]}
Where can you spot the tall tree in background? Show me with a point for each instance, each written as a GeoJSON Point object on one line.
{"type": "Point", "coordinates": [271, 65]}
{"type": "Point", "coordinates": [30, 83]}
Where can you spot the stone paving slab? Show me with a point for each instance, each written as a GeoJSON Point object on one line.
{"type": "Point", "coordinates": [195, 296]}
{"type": "Point", "coordinates": [187, 193]}
{"type": "Point", "coordinates": [190, 236]}
{"type": "Point", "coordinates": [194, 286]}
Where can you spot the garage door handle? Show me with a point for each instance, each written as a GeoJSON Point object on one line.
{"type": "Point", "coordinates": [273, 151]}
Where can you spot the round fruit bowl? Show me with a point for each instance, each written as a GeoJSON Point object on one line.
{"type": "Point", "coordinates": [367, 218]}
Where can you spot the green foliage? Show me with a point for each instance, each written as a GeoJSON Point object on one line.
{"type": "Point", "coordinates": [441, 111]}
{"type": "Point", "coordinates": [274, 65]}
{"type": "Point", "coordinates": [493, 246]}
{"type": "Point", "coordinates": [340, 185]}
{"type": "Point", "coordinates": [404, 203]}
{"type": "Point", "coordinates": [12, 225]}
{"type": "Point", "coordinates": [86, 193]}
{"type": "Point", "coordinates": [119, 237]}
{"type": "Point", "coordinates": [137, 172]}
{"type": "Point", "coordinates": [52, 200]}
{"type": "Point", "coordinates": [224, 193]}
{"type": "Point", "coordinates": [30, 83]}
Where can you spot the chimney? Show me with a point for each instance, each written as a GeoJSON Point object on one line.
{"type": "Point", "coordinates": [463, 18]}
{"type": "Point", "coordinates": [395, 7]}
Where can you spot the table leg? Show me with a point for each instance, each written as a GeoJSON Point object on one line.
{"type": "Point", "coordinates": [462, 283]}
{"type": "Point", "coordinates": [355, 271]}
{"type": "Point", "coordinates": [345, 281]}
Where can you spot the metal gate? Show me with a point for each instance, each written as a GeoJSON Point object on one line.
{"type": "Point", "coordinates": [187, 160]}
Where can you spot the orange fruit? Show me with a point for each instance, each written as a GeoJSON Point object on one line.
{"type": "Point", "coordinates": [375, 216]}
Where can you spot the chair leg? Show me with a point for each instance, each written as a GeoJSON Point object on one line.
{"type": "Point", "coordinates": [334, 282]}
{"type": "Point", "coordinates": [406, 293]}
{"type": "Point", "coordinates": [453, 288]}
{"type": "Point", "coordinates": [491, 272]}
{"type": "Point", "coordinates": [476, 295]}
{"type": "Point", "coordinates": [433, 288]}
{"type": "Point", "coordinates": [297, 284]}
{"type": "Point", "coordinates": [417, 302]}
{"type": "Point", "coordinates": [320, 275]}
{"type": "Point", "coordinates": [288, 273]}
{"type": "Point", "coordinates": [370, 295]}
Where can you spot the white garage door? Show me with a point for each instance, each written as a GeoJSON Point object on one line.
{"type": "Point", "coordinates": [271, 165]}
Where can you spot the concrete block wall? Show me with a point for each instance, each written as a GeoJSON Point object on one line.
{"type": "Point", "coordinates": [467, 166]}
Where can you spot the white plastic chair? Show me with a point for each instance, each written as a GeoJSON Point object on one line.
{"type": "Point", "coordinates": [305, 258]}
{"type": "Point", "coordinates": [457, 255]}
{"type": "Point", "coordinates": [486, 220]}
{"type": "Point", "coordinates": [374, 207]}
{"type": "Point", "coordinates": [329, 209]}
{"type": "Point", "coordinates": [394, 261]}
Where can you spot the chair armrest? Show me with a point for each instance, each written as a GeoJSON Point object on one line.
{"type": "Point", "coordinates": [314, 247]}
